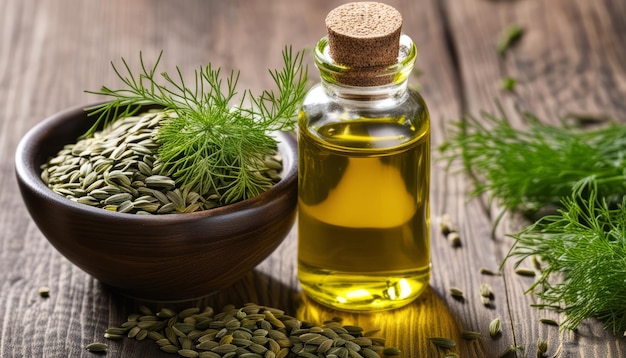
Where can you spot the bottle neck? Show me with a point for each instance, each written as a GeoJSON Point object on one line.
{"type": "Point", "coordinates": [380, 84]}
{"type": "Point", "coordinates": [385, 95]}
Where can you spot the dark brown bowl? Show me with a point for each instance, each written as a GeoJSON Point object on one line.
{"type": "Point", "coordinates": [160, 257]}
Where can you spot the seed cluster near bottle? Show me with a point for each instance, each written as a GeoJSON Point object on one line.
{"type": "Point", "coordinates": [252, 331]}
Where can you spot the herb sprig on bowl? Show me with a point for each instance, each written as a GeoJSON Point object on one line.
{"type": "Point", "coordinates": [209, 143]}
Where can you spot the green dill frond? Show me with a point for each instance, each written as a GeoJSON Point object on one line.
{"type": "Point", "coordinates": [583, 251]}
{"type": "Point", "coordinates": [533, 168]}
{"type": "Point", "coordinates": [580, 172]}
{"type": "Point", "coordinates": [210, 144]}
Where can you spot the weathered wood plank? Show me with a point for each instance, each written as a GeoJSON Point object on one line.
{"type": "Point", "coordinates": [567, 61]}
{"type": "Point", "coordinates": [67, 50]}
{"type": "Point", "coordinates": [571, 59]}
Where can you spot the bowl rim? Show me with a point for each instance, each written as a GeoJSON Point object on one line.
{"type": "Point", "coordinates": [28, 173]}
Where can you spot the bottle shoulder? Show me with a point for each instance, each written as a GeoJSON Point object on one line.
{"type": "Point", "coordinates": [318, 101]}
{"type": "Point", "coordinates": [402, 121]}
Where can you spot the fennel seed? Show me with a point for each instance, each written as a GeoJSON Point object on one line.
{"type": "Point", "coordinates": [188, 353]}
{"type": "Point", "coordinates": [494, 327]}
{"type": "Point", "coordinates": [485, 290]}
{"type": "Point", "coordinates": [542, 348]}
{"type": "Point", "coordinates": [97, 347]}
{"type": "Point", "coordinates": [548, 321]}
{"type": "Point", "coordinates": [455, 239]}
{"type": "Point", "coordinates": [525, 272]}
{"type": "Point", "coordinates": [368, 353]}
{"type": "Point", "coordinates": [470, 335]}
{"type": "Point", "coordinates": [114, 330]}
{"type": "Point", "coordinates": [391, 352]}
{"type": "Point", "coordinates": [456, 293]}
{"type": "Point", "coordinates": [44, 292]}
{"type": "Point", "coordinates": [446, 225]}
{"type": "Point", "coordinates": [170, 348]}
{"type": "Point", "coordinates": [141, 335]}
{"type": "Point", "coordinates": [510, 351]}
{"type": "Point", "coordinates": [113, 336]}
{"type": "Point", "coordinates": [442, 342]}
{"type": "Point", "coordinates": [132, 333]}
{"type": "Point", "coordinates": [486, 271]}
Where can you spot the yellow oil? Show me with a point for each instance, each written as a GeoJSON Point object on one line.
{"type": "Point", "coordinates": [364, 221]}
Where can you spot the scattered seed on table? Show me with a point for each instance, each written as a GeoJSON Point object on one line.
{"type": "Point", "coordinates": [456, 293]}
{"type": "Point", "coordinates": [97, 347]}
{"type": "Point", "coordinates": [447, 225]}
{"type": "Point", "coordinates": [494, 327]}
{"type": "Point", "coordinates": [470, 335]}
{"type": "Point", "coordinates": [486, 271]}
{"type": "Point", "coordinates": [525, 272]}
{"type": "Point", "coordinates": [485, 290]}
{"type": "Point", "coordinates": [510, 351]}
{"type": "Point", "coordinates": [455, 239]}
{"type": "Point", "coordinates": [44, 292]}
{"type": "Point", "coordinates": [113, 336]}
{"type": "Point", "coordinates": [442, 342]}
{"type": "Point", "coordinates": [391, 352]}
{"type": "Point", "coordinates": [548, 321]}
{"type": "Point", "coordinates": [542, 347]}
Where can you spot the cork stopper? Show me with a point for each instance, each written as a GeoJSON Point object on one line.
{"type": "Point", "coordinates": [364, 36]}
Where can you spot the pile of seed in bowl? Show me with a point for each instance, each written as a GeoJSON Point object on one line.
{"type": "Point", "coordinates": [118, 169]}
{"type": "Point", "coordinates": [252, 331]}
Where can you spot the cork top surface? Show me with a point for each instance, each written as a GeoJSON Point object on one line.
{"type": "Point", "coordinates": [364, 20]}
{"type": "Point", "coordinates": [365, 37]}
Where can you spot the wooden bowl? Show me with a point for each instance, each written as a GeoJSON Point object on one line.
{"type": "Point", "coordinates": [159, 257]}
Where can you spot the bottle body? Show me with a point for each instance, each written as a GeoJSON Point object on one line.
{"type": "Point", "coordinates": [364, 219]}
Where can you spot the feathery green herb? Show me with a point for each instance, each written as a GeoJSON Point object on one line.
{"type": "Point", "coordinates": [583, 249]}
{"type": "Point", "coordinates": [211, 144]}
{"type": "Point", "coordinates": [532, 169]}
{"type": "Point", "coordinates": [580, 173]}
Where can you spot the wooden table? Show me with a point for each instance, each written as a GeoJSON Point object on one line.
{"type": "Point", "coordinates": [572, 58]}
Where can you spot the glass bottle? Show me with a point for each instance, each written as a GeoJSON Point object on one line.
{"type": "Point", "coordinates": [364, 173]}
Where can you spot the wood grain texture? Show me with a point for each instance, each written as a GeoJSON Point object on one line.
{"type": "Point", "coordinates": [572, 58]}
